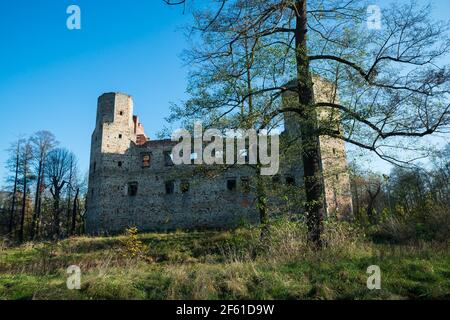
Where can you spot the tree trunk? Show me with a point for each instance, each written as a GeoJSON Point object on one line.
{"type": "Point", "coordinates": [56, 229]}
{"type": "Point", "coordinates": [356, 194]}
{"type": "Point", "coordinates": [36, 201]}
{"type": "Point", "coordinates": [261, 198]}
{"type": "Point", "coordinates": [248, 66]}
{"type": "Point", "coordinates": [57, 188]}
{"type": "Point", "coordinates": [69, 198]}
{"type": "Point", "coordinates": [39, 210]}
{"type": "Point", "coordinates": [372, 198]}
{"type": "Point", "coordinates": [370, 214]}
{"type": "Point", "coordinates": [14, 195]}
{"type": "Point", "coordinates": [74, 212]}
{"type": "Point", "coordinates": [315, 208]}
{"type": "Point", "coordinates": [261, 195]}
{"type": "Point", "coordinates": [24, 202]}
{"type": "Point", "coordinates": [39, 207]}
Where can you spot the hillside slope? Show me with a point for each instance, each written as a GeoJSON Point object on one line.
{"type": "Point", "coordinates": [225, 265]}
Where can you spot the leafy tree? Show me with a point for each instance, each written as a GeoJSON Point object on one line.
{"type": "Point", "coordinates": [393, 82]}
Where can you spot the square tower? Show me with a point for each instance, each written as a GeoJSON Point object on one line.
{"type": "Point", "coordinates": [336, 178]}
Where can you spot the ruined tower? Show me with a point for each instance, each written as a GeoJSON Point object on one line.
{"type": "Point", "coordinates": [332, 150]}
{"type": "Point", "coordinates": [115, 131]}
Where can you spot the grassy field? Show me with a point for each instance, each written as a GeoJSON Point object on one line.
{"type": "Point", "coordinates": [226, 265]}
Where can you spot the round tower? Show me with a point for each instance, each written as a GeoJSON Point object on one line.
{"type": "Point", "coordinates": [111, 140]}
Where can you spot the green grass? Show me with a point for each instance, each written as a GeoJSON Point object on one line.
{"type": "Point", "coordinates": [227, 265]}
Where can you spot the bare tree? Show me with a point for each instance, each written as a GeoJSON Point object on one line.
{"type": "Point", "coordinates": [42, 142]}
{"type": "Point", "coordinates": [69, 190]}
{"type": "Point", "coordinates": [75, 187]}
{"type": "Point", "coordinates": [373, 188]}
{"type": "Point", "coordinates": [26, 156]}
{"type": "Point", "coordinates": [393, 82]}
{"type": "Point", "coordinates": [79, 186]}
{"type": "Point", "coordinates": [57, 169]}
{"type": "Point", "coordinates": [13, 165]}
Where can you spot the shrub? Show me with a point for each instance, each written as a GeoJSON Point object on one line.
{"type": "Point", "coordinates": [342, 235]}
{"type": "Point", "coordinates": [132, 247]}
{"type": "Point", "coordinates": [431, 223]}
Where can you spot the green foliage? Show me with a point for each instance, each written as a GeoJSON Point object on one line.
{"type": "Point", "coordinates": [412, 206]}
{"type": "Point", "coordinates": [132, 247]}
{"type": "Point", "coordinates": [429, 223]}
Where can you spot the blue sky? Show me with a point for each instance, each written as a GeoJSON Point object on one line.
{"type": "Point", "coordinates": [51, 77]}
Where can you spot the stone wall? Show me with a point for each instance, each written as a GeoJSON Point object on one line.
{"type": "Point", "coordinates": [132, 181]}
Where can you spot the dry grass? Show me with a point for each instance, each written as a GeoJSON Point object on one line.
{"type": "Point", "coordinates": [227, 265]}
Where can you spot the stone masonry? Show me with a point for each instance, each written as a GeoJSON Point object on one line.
{"type": "Point", "coordinates": [133, 182]}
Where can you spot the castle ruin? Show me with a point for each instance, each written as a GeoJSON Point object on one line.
{"type": "Point", "coordinates": [133, 181]}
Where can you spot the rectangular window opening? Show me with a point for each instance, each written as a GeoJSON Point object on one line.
{"type": "Point", "coordinates": [132, 189]}
{"type": "Point", "coordinates": [146, 160]}
{"type": "Point", "coordinates": [170, 187]}
{"type": "Point", "coordinates": [231, 184]}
